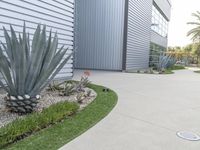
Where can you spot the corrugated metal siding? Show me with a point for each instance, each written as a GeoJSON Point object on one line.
{"type": "Point", "coordinates": [165, 6]}
{"type": "Point", "coordinates": [99, 34]}
{"type": "Point", "coordinates": [158, 39]}
{"type": "Point", "coordinates": [139, 31]}
{"type": "Point", "coordinates": [58, 15]}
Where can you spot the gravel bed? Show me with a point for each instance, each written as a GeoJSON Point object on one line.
{"type": "Point", "coordinates": [48, 98]}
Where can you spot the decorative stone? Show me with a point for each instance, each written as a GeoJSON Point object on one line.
{"type": "Point", "coordinates": [37, 97]}
{"type": "Point", "coordinates": [27, 102]}
{"type": "Point", "coordinates": [48, 98]}
{"type": "Point", "coordinates": [13, 104]}
{"type": "Point", "coordinates": [13, 98]}
{"type": "Point", "coordinates": [20, 103]}
{"type": "Point", "coordinates": [27, 96]}
{"type": "Point", "coordinates": [20, 97]}
{"type": "Point", "coordinates": [6, 98]}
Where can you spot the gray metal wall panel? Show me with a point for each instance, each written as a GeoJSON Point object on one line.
{"type": "Point", "coordinates": [158, 39]}
{"type": "Point", "coordinates": [165, 6]}
{"type": "Point", "coordinates": [139, 31]}
{"type": "Point", "coordinates": [99, 34]}
{"type": "Point", "coordinates": [57, 15]}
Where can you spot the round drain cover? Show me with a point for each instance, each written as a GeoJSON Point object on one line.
{"type": "Point", "coordinates": [188, 136]}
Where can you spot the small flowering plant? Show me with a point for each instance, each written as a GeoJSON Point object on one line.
{"type": "Point", "coordinates": [87, 73]}
{"type": "Point", "coordinates": [84, 81]}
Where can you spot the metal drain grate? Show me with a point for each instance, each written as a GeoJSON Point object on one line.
{"type": "Point", "coordinates": [188, 136]}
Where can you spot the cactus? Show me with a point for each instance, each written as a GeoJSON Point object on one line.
{"type": "Point", "coordinates": [27, 69]}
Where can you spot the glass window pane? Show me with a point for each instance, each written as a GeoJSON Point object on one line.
{"type": "Point", "coordinates": [159, 23]}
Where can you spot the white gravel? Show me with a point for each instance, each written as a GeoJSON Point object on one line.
{"type": "Point", "coordinates": [48, 98]}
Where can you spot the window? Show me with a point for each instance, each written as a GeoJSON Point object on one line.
{"type": "Point", "coordinates": [155, 52]}
{"type": "Point", "coordinates": [159, 23]}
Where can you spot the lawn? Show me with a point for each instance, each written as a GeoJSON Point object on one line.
{"type": "Point", "coordinates": [177, 67]}
{"type": "Point", "coordinates": [171, 69]}
{"type": "Point", "coordinates": [61, 133]}
{"type": "Point", "coordinates": [168, 71]}
{"type": "Point", "coordinates": [197, 71]}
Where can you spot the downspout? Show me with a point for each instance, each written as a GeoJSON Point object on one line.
{"type": "Point", "coordinates": [125, 38]}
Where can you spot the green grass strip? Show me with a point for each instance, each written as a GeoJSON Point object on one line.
{"type": "Point", "coordinates": [171, 69]}
{"type": "Point", "coordinates": [21, 128]}
{"type": "Point", "coordinates": [59, 134]}
{"type": "Point", "coordinates": [177, 67]}
{"type": "Point", "coordinates": [168, 71]}
{"type": "Point", "coordinates": [197, 71]}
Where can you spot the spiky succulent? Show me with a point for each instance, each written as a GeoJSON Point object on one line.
{"type": "Point", "coordinates": [27, 69]}
{"type": "Point", "coordinates": [172, 61]}
{"type": "Point", "coordinates": [164, 62]}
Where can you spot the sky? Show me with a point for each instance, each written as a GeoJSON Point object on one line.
{"type": "Point", "coordinates": [181, 14]}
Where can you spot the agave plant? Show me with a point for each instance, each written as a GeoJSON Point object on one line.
{"type": "Point", "coordinates": [172, 61]}
{"type": "Point", "coordinates": [163, 63]}
{"type": "Point", "coordinates": [27, 69]}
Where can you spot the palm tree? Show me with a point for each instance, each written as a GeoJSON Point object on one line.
{"type": "Point", "coordinates": [195, 32]}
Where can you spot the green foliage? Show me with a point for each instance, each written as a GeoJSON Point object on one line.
{"type": "Point", "coordinates": [186, 55]}
{"type": "Point", "coordinates": [195, 32]}
{"type": "Point", "coordinates": [26, 68]}
{"type": "Point", "coordinates": [172, 68]}
{"type": "Point", "coordinates": [177, 67]}
{"type": "Point", "coordinates": [80, 97]}
{"type": "Point", "coordinates": [56, 136]}
{"type": "Point", "coordinates": [35, 122]}
{"type": "Point", "coordinates": [188, 48]}
{"type": "Point", "coordinates": [168, 71]}
{"type": "Point", "coordinates": [165, 61]}
{"type": "Point", "coordinates": [82, 84]}
{"type": "Point", "coordinates": [171, 62]}
{"type": "Point", "coordinates": [69, 87]}
{"type": "Point", "coordinates": [196, 49]}
{"type": "Point", "coordinates": [197, 71]}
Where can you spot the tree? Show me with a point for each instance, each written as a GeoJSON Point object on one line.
{"type": "Point", "coordinates": [195, 32]}
{"type": "Point", "coordinates": [196, 50]}
{"type": "Point", "coordinates": [188, 48]}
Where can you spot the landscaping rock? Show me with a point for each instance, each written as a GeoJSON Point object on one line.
{"type": "Point", "coordinates": [48, 98]}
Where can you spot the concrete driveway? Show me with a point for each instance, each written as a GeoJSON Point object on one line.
{"type": "Point", "coordinates": [150, 110]}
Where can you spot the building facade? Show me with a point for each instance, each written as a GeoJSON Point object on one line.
{"type": "Point", "coordinates": [117, 35]}
{"type": "Point", "coordinates": [159, 29]}
{"type": "Point", "coordinates": [120, 35]}
{"type": "Point", "coordinates": [56, 15]}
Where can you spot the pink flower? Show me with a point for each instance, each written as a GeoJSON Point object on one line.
{"type": "Point", "coordinates": [87, 73]}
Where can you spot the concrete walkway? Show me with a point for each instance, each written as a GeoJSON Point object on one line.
{"type": "Point", "coordinates": [150, 110]}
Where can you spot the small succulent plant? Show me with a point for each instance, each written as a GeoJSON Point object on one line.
{"type": "Point", "coordinates": [69, 89]}
{"type": "Point", "coordinates": [80, 97]}
{"type": "Point", "coordinates": [83, 83]}
{"type": "Point", "coordinates": [89, 93]}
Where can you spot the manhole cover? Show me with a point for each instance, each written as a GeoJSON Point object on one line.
{"type": "Point", "coordinates": [188, 136]}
